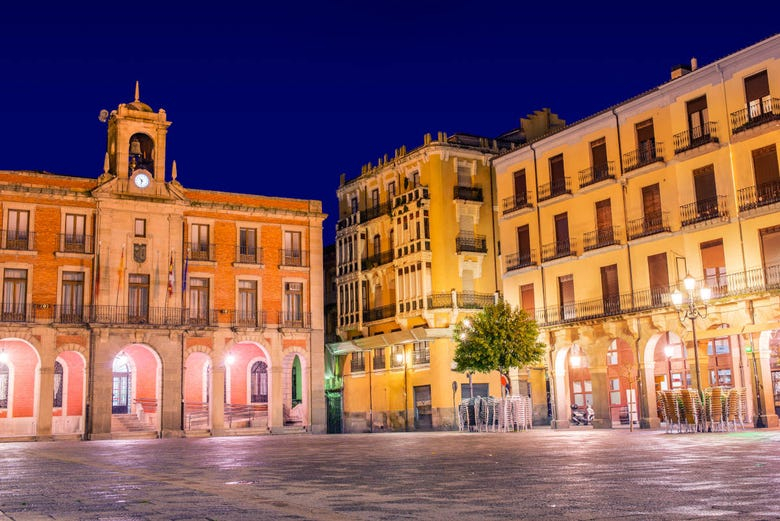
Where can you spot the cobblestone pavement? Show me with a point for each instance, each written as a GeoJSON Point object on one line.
{"type": "Point", "coordinates": [540, 474]}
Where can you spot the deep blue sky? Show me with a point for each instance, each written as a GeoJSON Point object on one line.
{"type": "Point", "coordinates": [280, 100]}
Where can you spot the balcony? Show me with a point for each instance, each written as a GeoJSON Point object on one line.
{"type": "Point", "coordinates": [516, 261]}
{"type": "Point", "coordinates": [704, 210]}
{"type": "Point", "coordinates": [350, 220]}
{"type": "Point", "coordinates": [249, 255]}
{"type": "Point", "coordinates": [554, 189]}
{"type": "Point", "coordinates": [374, 212]}
{"type": "Point", "coordinates": [294, 319]}
{"type": "Point", "coordinates": [201, 252]}
{"type": "Point", "coordinates": [516, 202]}
{"type": "Point", "coordinates": [246, 319]}
{"type": "Point", "coordinates": [754, 197]}
{"type": "Point", "coordinates": [470, 242]}
{"type": "Point", "coordinates": [737, 284]}
{"type": "Point", "coordinates": [20, 312]}
{"type": "Point", "coordinates": [695, 137]}
{"type": "Point", "coordinates": [468, 193]}
{"type": "Point", "coordinates": [643, 156]}
{"type": "Point", "coordinates": [558, 249]}
{"type": "Point", "coordinates": [596, 174]}
{"type": "Point", "coordinates": [461, 299]}
{"type": "Point", "coordinates": [70, 243]}
{"type": "Point", "coordinates": [294, 258]}
{"type": "Point", "coordinates": [600, 238]}
{"type": "Point", "coordinates": [758, 112]}
{"type": "Point", "coordinates": [379, 313]}
{"type": "Point", "coordinates": [17, 240]}
{"type": "Point", "coordinates": [648, 225]}
{"type": "Point", "coordinates": [151, 316]}
{"type": "Point", "coordinates": [380, 259]}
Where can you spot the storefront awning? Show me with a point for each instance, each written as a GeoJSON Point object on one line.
{"type": "Point", "coordinates": [407, 336]}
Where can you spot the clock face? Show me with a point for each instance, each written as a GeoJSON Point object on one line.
{"type": "Point", "coordinates": [141, 180]}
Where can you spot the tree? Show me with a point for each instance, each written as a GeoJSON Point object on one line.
{"type": "Point", "coordinates": [497, 339]}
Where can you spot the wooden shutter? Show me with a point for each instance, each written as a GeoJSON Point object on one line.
{"type": "Point", "coordinates": [520, 185]}
{"type": "Point", "coordinates": [598, 153]}
{"type": "Point", "coordinates": [527, 298]}
{"type": "Point", "coordinates": [651, 201]}
{"type": "Point", "coordinates": [658, 270]}
{"type": "Point", "coordinates": [645, 132]}
{"type": "Point", "coordinates": [562, 228]}
{"type": "Point", "coordinates": [604, 215]}
{"type": "Point", "coordinates": [704, 182]}
{"type": "Point", "coordinates": [770, 246]}
{"type": "Point", "coordinates": [557, 174]}
{"type": "Point", "coordinates": [523, 241]}
{"type": "Point", "coordinates": [765, 165]}
{"type": "Point", "coordinates": [756, 86]}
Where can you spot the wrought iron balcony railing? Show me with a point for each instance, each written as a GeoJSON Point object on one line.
{"type": "Point", "coordinates": [648, 225]}
{"type": "Point", "coordinates": [645, 155]}
{"type": "Point", "coordinates": [249, 255]}
{"type": "Point", "coordinates": [516, 202]}
{"type": "Point", "coordinates": [554, 189]}
{"type": "Point", "coordinates": [516, 261]}
{"type": "Point", "coordinates": [597, 173]}
{"type": "Point", "coordinates": [74, 243]}
{"type": "Point", "coordinates": [246, 318]}
{"type": "Point", "coordinates": [294, 319]}
{"type": "Point", "coordinates": [375, 211]}
{"type": "Point", "coordinates": [468, 193]}
{"type": "Point", "coordinates": [695, 137]}
{"type": "Point", "coordinates": [470, 242]}
{"type": "Point", "coordinates": [19, 240]}
{"type": "Point", "coordinates": [152, 316]}
{"type": "Point", "coordinates": [461, 299]}
{"type": "Point", "coordinates": [704, 210]}
{"type": "Point", "coordinates": [201, 252]}
{"type": "Point", "coordinates": [756, 113]}
{"type": "Point", "coordinates": [349, 220]}
{"type": "Point", "coordinates": [422, 356]}
{"type": "Point", "coordinates": [558, 249]}
{"type": "Point", "coordinates": [295, 258]}
{"type": "Point", "coordinates": [379, 313]}
{"type": "Point", "coordinates": [600, 238]}
{"type": "Point", "coordinates": [380, 259]}
{"type": "Point", "coordinates": [753, 197]}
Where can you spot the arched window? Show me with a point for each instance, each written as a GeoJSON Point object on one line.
{"type": "Point", "coordinates": [141, 153]}
{"type": "Point", "coordinates": [259, 379]}
{"type": "Point", "coordinates": [4, 376]}
{"type": "Point", "coordinates": [58, 373]}
{"type": "Point", "coordinates": [296, 381]}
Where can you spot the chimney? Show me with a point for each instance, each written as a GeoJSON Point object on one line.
{"type": "Point", "coordinates": [694, 64]}
{"type": "Point", "coordinates": [680, 70]}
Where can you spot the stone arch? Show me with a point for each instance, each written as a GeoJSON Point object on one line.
{"type": "Point", "coordinates": [69, 419]}
{"type": "Point", "coordinates": [299, 413]}
{"type": "Point", "coordinates": [145, 385]}
{"type": "Point", "coordinates": [23, 360]}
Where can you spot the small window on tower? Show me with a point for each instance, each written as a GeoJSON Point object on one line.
{"type": "Point", "coordinates": [140, 227]}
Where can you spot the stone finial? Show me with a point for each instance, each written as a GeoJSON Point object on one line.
{"type": "Point", "coordinates": [174, 173]}
{"type": "Point", "coordinates": [105, 164]}
{"type": "Point", "coordinates": [137, 91]}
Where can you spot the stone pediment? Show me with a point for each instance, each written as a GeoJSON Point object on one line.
{"type": "Point", "coordinates": [113, 186]}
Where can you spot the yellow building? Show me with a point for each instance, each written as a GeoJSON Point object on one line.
{"type": "Point", "coordinates": [134, 306]}
{"type": "Point", "coordinates": [415, 254]}
{"type": "Point", "coordinates": [602, 220]}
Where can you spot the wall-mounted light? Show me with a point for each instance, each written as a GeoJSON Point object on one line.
{"type": "Point", "coordinates": [230, 359]}
{"type": "Point", "coordinates": [575, 357]}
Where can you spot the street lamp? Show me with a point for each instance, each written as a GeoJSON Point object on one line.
{"type": "Point", "coordinates": [668, 350]}
{"type": "Point", "coordinates": [688, 310]}
{"type": "Point", "coordinates": [759, 416]}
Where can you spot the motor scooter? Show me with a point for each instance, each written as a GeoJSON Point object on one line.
{"type": "Point", "coordinates": [581, 418]}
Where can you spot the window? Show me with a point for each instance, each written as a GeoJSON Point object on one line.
{"type": "Point", "coordinates": [259, 382]}
{"type": "Point", "coordinates": [58, 373]}
{"type": "Point", "coordinates": [604, 232]}
{"type": "Point", "coordinates": [464, 175]}
{"type": "Point", "coordinates": [358, 362]}
{"type": "Point", "coordinates": [415, 179]}
{"type": "Point", "coordinates": [15, 295]}
{"type": "Point", "coordinates": [18, 230]}
{"type": "Point", "coordinates": [138, 298]}
{"type": "Point", "coordinates": [523, 245]}
{"type": "Point", "coordinates": [610, 291]}
{"type": "Point", "coordinates": [377, 244]}
{"type": "Point", "coordinates": [770, 254]}
{"type": "Point", "coordinates": [645, 138]}
{"type": "Point", "coordinates": [527, 302]}
{"type": "Point", "coordinates": [247, 245]}
{"type": "Point", "coordinates": [391, 189]}
{"type": "Point", "coordinates": [566, 296]}
{"type": "Point", "coordinates": [293, 302]}
{"type": "Point", "coordinates": [375, 197]}
{"type": "Point", "coordinates": [598, 158]}
{"type": "Point", "coordinates": [562, 246]}
{"type": "Point", "coordinates": [756, 94]}
{"type": "Point", "coordinates": [582, 392]}
{"type": "Point", "coordinates": [72, 296]}
{"type": "Point", "coordinates": [422, 353]}
{"type": "Point", "coordinates": [706, 194]}
{"type": "Point", "coordinates": [612, 354]}
{"type": "Point", "coordinates": [614, 391]}
{"type": "Point", "coordinates": [74, 240]}
{"type": "Point", "coordinates": [658, 270]}
{"type": "Point", "coordinates": [353, 203]}
{"type": "Point", "coordinates": [719, 377]}
{"type": "Point", "coordinates": [718, 346]}
{"type": "Point", "coordinates": [247, 303]}
{"type": "Point", "coordinates": [714, 265]}
{"type": "Point", "coordinates": [292, 254]}
{"type": "Point", "coordinates": [766, 173]}
{"type": "Point", "coordinates": [557, 175]}
{"type": "Point", "coordinates": [698, 118]}
{"type": "Point", "coordinates": [521, 190]}
{"type": "Point", "coordinates": [4, 382]}
{"type": "Point", "coordinates": [199, 301]}
{"type": "Point", "coordinates": [200, 242]}
{"type": "Point", "coordinates": [379, 358]}
{"type": "Point", "coordinates": [140, 227]}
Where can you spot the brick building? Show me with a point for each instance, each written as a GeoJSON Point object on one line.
{"type": "Point", "coordinates": [132, 304]}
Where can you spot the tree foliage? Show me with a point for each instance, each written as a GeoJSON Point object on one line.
{"type": "Point", "coordinates": [496, 339]}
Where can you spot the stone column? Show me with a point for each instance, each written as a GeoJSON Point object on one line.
{"type": "Point", "coordinates": [276, 399]}
{"type": "Point", "coordinates": [768, 416]}
{"type": "Point", "coordinates": [600, 386]}
{"type": "Point", "coordinates": [45, 401]}
{"type": "Point", "coordinates": [102, 380]}
{"type": "Point", "coordinates": [172, 406]}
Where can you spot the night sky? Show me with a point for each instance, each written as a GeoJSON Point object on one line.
{"type": "Point", "coordinates": [280, 100]}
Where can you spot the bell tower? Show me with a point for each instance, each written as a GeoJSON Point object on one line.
{"type": "Point", "coordinates": [136, 142]}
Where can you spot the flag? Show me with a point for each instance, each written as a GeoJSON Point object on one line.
{"type": "Point", "coordinates": [171, 276]}
{"type": "Point", "coordinates": [184, 276]}
{"type": "Point", "coordinates": [121, 270]}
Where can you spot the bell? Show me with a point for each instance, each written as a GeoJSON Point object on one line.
{"type": "Point", "coordinates": [135, 147]}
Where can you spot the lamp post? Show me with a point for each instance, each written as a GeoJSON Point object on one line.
{"type": "Point", "coordinates": [688, 310]}
{"type": "Point", "coordinates": [668, 352]}
{"type": "Point", "coordinates": [759, 416]}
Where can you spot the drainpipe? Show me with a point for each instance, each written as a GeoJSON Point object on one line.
{"type": "Point", "coordinates": [625, 209]}
{"type": "Point", "coordinates": [539, 232]}
{"type": "Point", "coordinates": [493, 211]}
